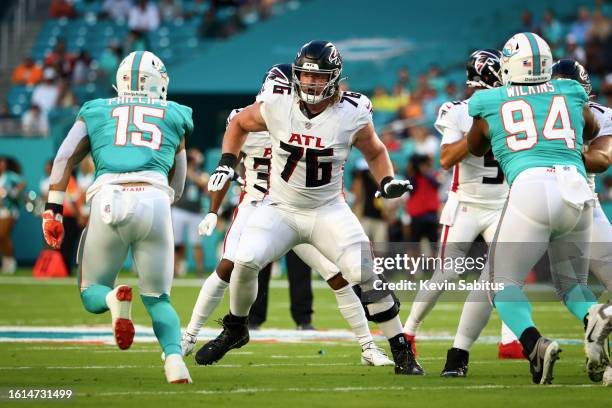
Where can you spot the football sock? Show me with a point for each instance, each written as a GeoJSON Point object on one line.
{"type": "Point", "coordinates": [425, 301]}
{"type": "Point", "coordinates": [166, 324]}
{"type": "Point", "coordinates": [243, 289]}
{"type": "Point", "coordinates": [94, 298]}
{"type": "Point", "coordinates": [514, 309]}
{"type": "Point", "coordinates": [506, 334]}
{"type": "Point", "coordinates": [351, 309]}
{"type": "Point", "coordinates": [211, 294]}
{"type": "Point", "coordinates": [474, 318]}
{"type": "Point", "coordinates": [9, 265]}
{"type": "Point", "coordinates": [578, 300]}
{"type": "Point", "coordinates": [528, 339]}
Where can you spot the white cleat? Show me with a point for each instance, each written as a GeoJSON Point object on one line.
{"type": "Point", "coordinates": [607, 376]}
{"type": "Point", "coordinates": [188, 343]}
{"type": "Point", "coordinates": [596, 342]}
{"type": "Point", "coordinates": [176, 370]}
{"type": "Point", "coordinates": [373, 355]}
{"type": "Point", "coordinates": [119, 302]}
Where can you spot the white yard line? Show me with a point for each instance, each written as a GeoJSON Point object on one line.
{"type": "Point", "coordinates": [186, 283]}
{"type": "Point", "coordinates": [339, 389]}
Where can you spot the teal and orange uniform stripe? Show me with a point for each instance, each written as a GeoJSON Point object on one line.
{"type": "Point", "coordinates": [135, 70]}
{"type": "Point", "coordinates": [537, 63]}
{"type": "Point", "coordinates": [80, 251]}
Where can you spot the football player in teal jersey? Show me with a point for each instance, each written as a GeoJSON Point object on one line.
{"type": "Point", "coordinates": [11, 187]}
{"type": "Point", "coordinates": [535, 127]}
{"type": "Point", "coordinates": [137, 143]}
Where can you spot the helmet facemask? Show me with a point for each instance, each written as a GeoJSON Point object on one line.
{"type": "Point", "coordinates": [313, 93]}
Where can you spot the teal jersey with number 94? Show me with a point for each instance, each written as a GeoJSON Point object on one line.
{"type": "Point", "coordinates": [533, 126]}
{"type": "Point", "coordinates": [135, 134]}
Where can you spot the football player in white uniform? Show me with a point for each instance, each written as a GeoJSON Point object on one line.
{"type": "Point", "coordinates": [597, 156]}
{"type": "Point", "coordinates": [256, 155]}
{"type": "Point", "coordinates": [312, 130]}
{"type": "Point", "coordinates": [474, 204]}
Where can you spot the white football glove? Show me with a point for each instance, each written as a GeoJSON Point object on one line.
{"type": "Point", "coordinates": [392, 188]}
{"type": "Point", "coordinates": [219, 177]}
{"type": "Point", "coordinates": [208, 224]}
{"type": "Point", "coordinates": [239, 180]}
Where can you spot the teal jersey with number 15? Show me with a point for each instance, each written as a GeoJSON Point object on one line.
{"type": "Point", "coordinates": [135, 134]}
{"type": "Point", "coordinates": [533, 126]}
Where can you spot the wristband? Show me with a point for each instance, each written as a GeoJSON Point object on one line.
{"type": "Point", "coordinates": [56, 208]}
{"type": "Point", "coordinates": [384, 182]}
{"type": "Point", "coordinates": [56, 197]}
{"type": "Point", "coordinates": [228, 159]}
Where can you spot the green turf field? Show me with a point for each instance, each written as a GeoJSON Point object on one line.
{"type": "Point", "coordinates": [275, 374]}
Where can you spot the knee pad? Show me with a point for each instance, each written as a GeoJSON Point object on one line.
{"type": "Point", "coordinates": [378, 298]}
{"type": "Point", "coordinates": [383, 310]}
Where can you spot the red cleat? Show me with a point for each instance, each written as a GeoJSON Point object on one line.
{"type": "Point", "coordinates": [119, 302]}
{"type": "Point", "coordinates": [510, 351]}
{"type": "Point", "coordinates": [124, 333]}
{"type": "Point", "coordinates": [412, 341]}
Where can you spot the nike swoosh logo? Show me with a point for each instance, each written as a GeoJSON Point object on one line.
{"type": "Point", "coordinates": [538, 367]}
{"type": "Point", "coordinates": [589, 339]}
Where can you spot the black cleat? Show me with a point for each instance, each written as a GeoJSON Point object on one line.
{"type": "Point", "coordinates": [235, 334]}
{"type": "Point", "coordinates": [405, 363]}
{"type": "Point", "coordinates": [456, 363]}
{"type": "Point", "coordinates": [542, 359]}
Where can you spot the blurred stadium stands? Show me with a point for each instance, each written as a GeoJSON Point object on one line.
{"type": "Point", "coordinates": [217, 51]}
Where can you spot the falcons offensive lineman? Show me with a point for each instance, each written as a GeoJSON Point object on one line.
{"type": "Point", "coordinates": [475, 202]}
{"type": "Point", "coordinates": [257, 153]}
{"type": "Point", "coordinates": [312, 132]}
{"type": "Point", "coordinates": [597, 158]}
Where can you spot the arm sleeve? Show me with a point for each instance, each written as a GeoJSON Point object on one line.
{"type": "Point", "coordinates": [268, 100]}
{"type": "Point", "coordinates": [451, 135]}
{"type": "Point", "coordinates": [180, 173]}
{"type": "Point", "coordinates": [67, 151]}
{"type": "Point", "coordinates": [363, 115]}
{"type": "Point", "coordinates": [447, 125]}
{"type": "Point", "coordinates": [605, 122]}
{"type": "Point", "coordinates": [184, 121]}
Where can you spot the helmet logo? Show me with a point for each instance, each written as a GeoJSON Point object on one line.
{"type": "Point", "coordinates": [483, 61]}
{"type": "Point", "coordinates": [510, 49]}
{"type": "Point", "coordinates": [583, 74]}
{"type": "Point", "coordinates": [310, 65]}
{"type": "Point", "coordinates": [334, 56]}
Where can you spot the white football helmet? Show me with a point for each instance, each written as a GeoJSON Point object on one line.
{"type": "Point", "coordinates": [526, 59]}
{"type": "Point", "coordinates": [142, 74]}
